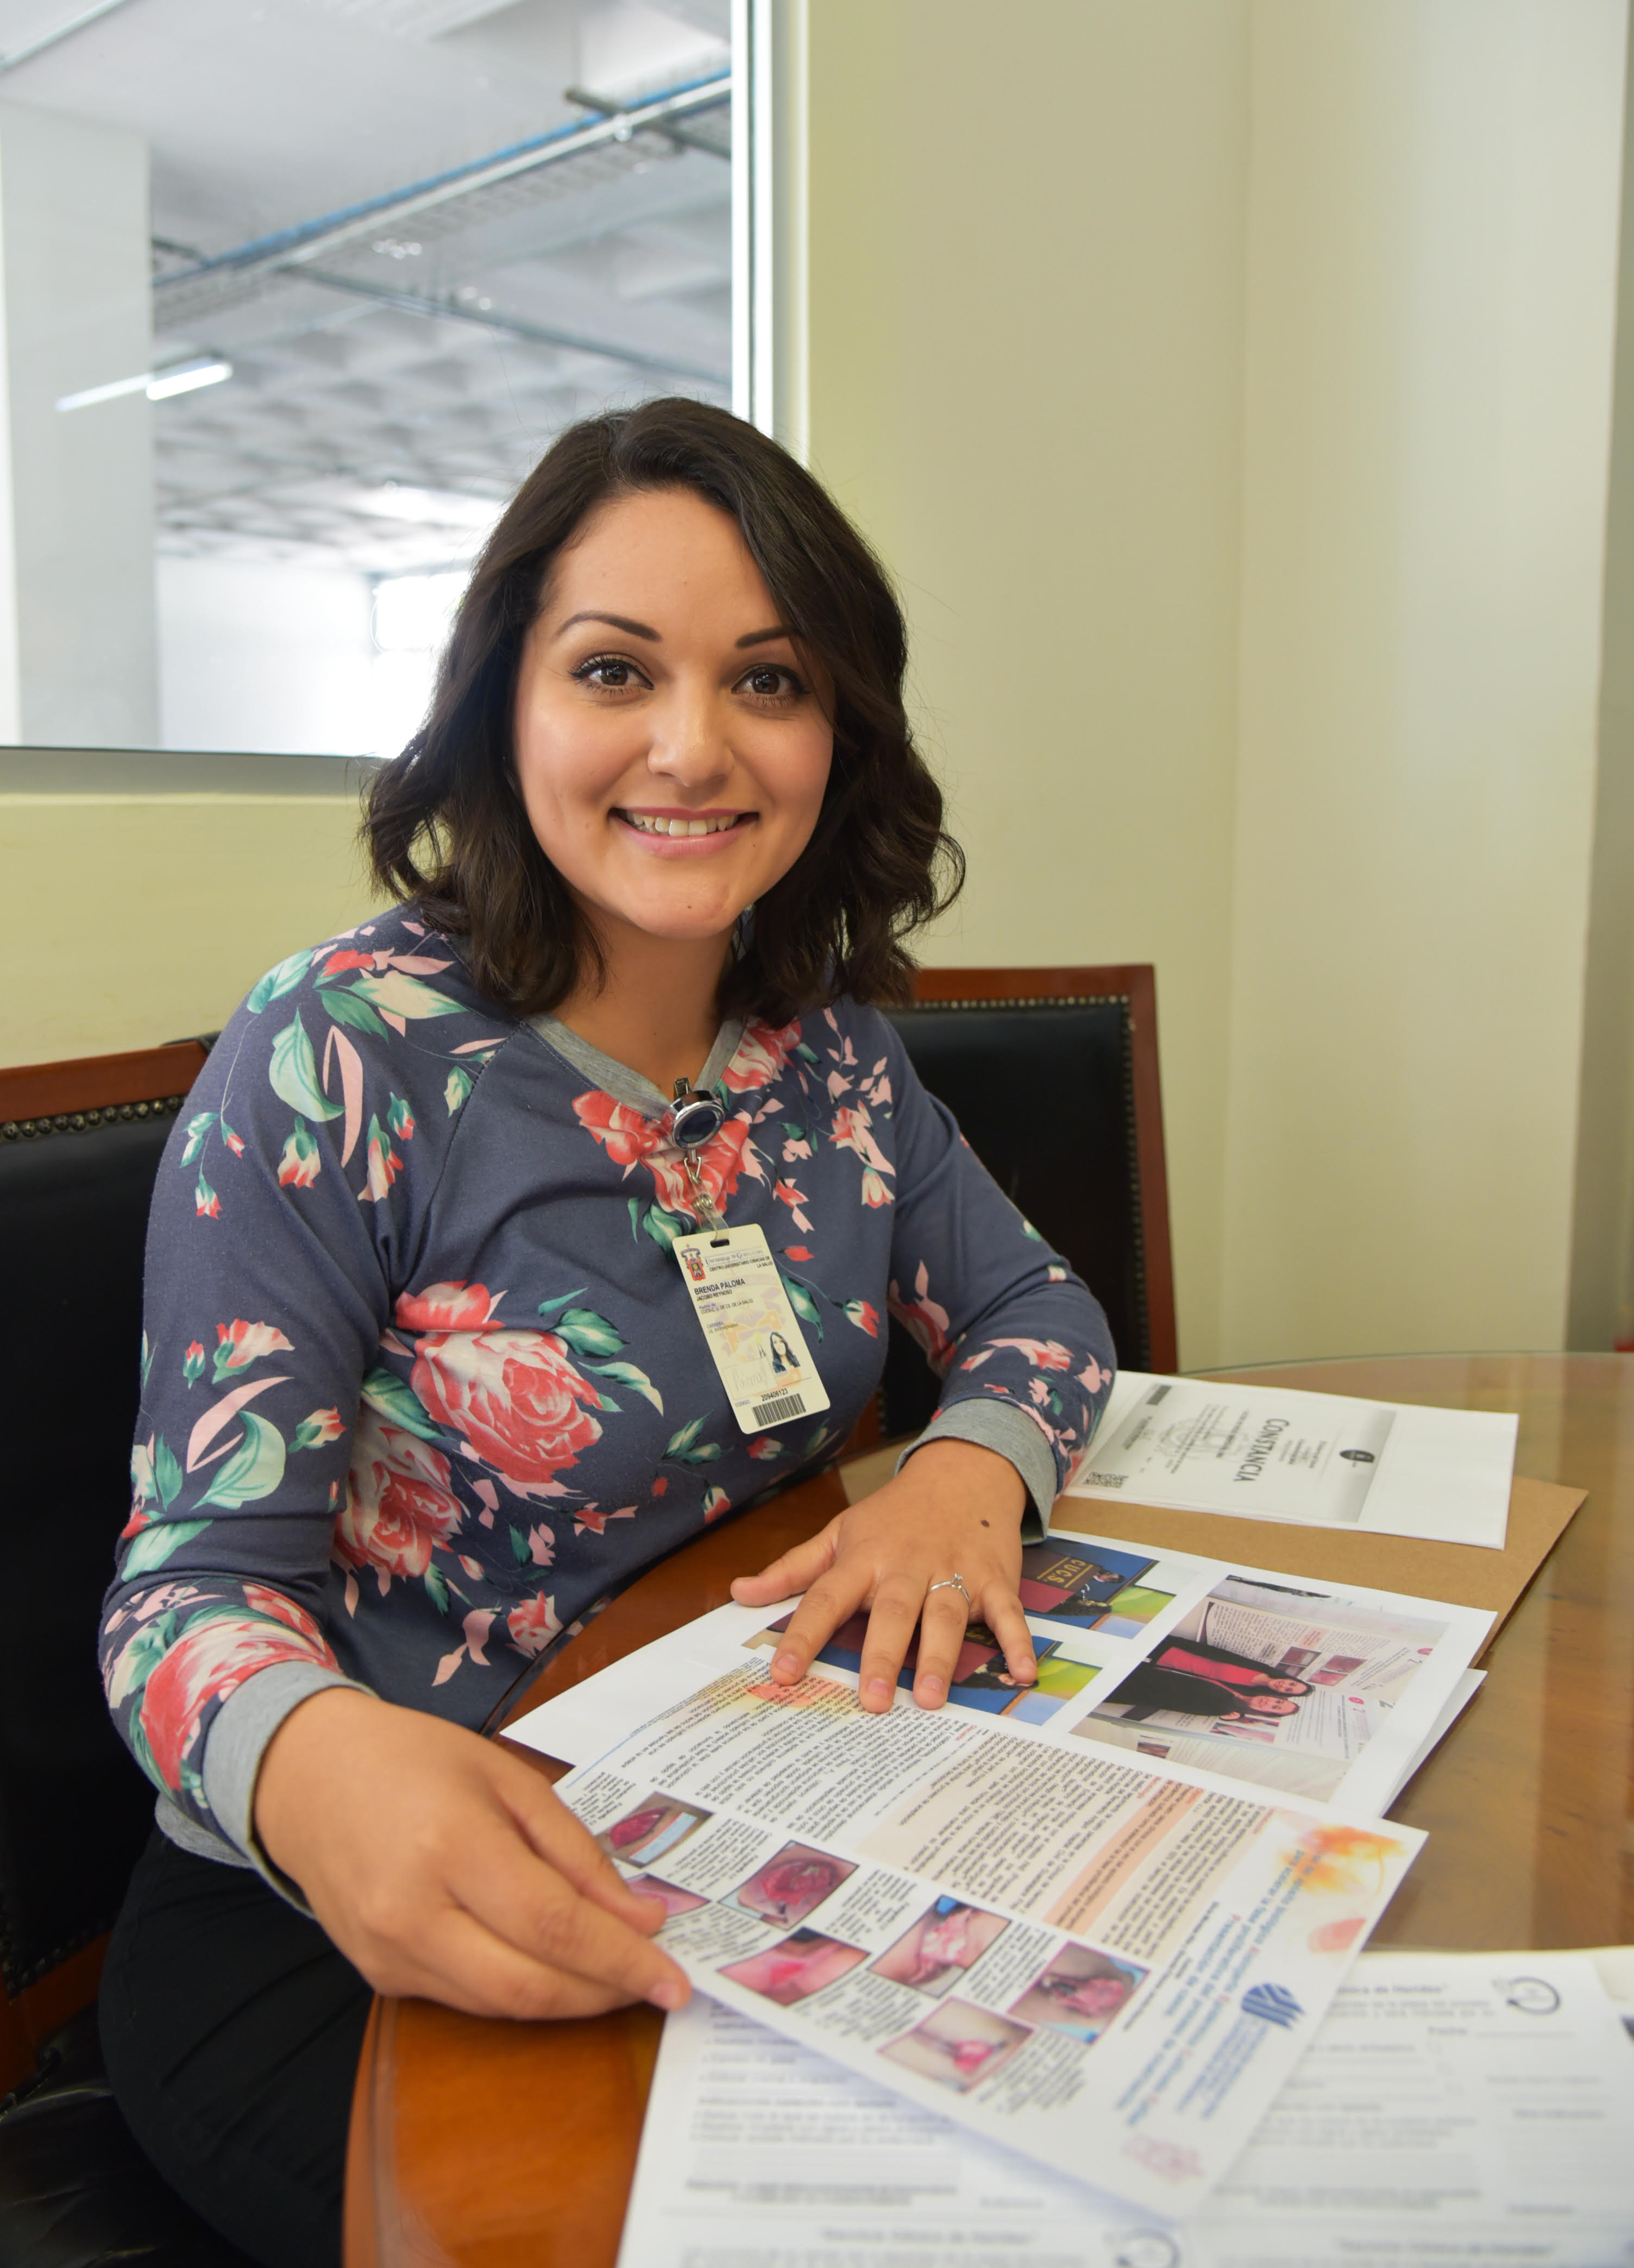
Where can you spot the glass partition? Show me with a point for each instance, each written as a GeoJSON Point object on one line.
{"type": "Point", "coordinates": [294, 292]}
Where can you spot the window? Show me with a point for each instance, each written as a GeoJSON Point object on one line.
{"type": "Point", "coordinates": [295, 292]}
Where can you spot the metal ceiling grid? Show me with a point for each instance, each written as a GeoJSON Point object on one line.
{"type": "Point", "coordinates": [438, 344]}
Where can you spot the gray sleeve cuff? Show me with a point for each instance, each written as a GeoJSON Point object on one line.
{"type": "Point", "coordinates": [997, 1426]}
{"type": "Point", "coordinates": [238, 1737]}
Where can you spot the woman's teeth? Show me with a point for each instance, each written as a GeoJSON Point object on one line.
{"type": "Point", "coordinates": [647, 826]}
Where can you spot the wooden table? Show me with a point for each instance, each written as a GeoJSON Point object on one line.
{"type": "Point", "coordinates": [491, 2144]}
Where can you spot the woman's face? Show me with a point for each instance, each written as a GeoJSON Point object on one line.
{"type": "Point", "coordinates": [672, 749]}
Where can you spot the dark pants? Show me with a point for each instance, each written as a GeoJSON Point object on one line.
{"type": "Point", "coordinates": [230, 2031]}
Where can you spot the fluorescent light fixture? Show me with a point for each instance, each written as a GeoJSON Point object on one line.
{"type": "Point", "coordinates": [158, 385]}
{"type": "Point", "coordinates": [164, 383]}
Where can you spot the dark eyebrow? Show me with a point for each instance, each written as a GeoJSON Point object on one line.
{"type": "Point", "coordinates": [762, 638]}
{"type": "Point", "coordinates": [619, 622]}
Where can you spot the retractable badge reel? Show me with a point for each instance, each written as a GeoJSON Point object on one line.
{"type": "Point", "coordinates": [696, 1118]}
{"type": "Point", "coordinates": [741, 1300]}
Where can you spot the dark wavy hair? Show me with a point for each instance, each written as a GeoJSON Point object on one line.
{"type": "Point", "coordinates": [445, 824]}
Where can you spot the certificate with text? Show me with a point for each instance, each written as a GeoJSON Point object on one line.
{"type": "Point", "coordinates": [1323, 1459]}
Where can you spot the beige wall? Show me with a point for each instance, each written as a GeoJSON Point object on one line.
{"type": "Point", "coordinates": [1433, 232]}
{"type": "Point", "coordinates": [146, 893]}
{"type": "Point", "coordinates": [1602, 1259]}
{"type": "Point", "coordinates": [1025, 262]}
{"type": "Point", "coordinates": [1233, 406]}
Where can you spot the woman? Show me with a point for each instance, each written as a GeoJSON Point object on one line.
{"type": "Point", "coordinates": [424, 1381]}
{"type": "Point", "coordinates": [1180, 1679]}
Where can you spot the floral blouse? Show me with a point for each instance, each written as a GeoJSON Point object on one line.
{"type": "Point", "coordinates": [422, 1383]}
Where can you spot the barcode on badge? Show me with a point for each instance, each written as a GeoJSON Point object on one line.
{"type": "Point", "coordinates": [780, 1406]}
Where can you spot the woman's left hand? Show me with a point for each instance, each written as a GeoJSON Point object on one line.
{"type": "Point", "coordinates": [953, 1509]}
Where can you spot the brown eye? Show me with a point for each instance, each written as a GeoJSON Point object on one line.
{"type": "Point", "coordinates": [772, 683]}
{"type": "Point", "coordinates": [608, 673]}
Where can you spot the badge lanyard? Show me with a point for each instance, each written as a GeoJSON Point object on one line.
{"type": "Point", "coordinates": [741, 1300]}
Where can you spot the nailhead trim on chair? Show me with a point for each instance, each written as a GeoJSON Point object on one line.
{"type": "Point", "coordinates": [80, 1122]}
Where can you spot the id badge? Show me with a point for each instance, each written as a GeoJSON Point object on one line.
{"type": "Point", "coordinates": [741, 1303]}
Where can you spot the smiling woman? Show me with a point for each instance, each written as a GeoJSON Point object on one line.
{"type": "Point", "coordinates": [671, 780]}
{"type": "Point", "coordinates": [657, 851]}
{"type": "Point", "coordinates": [744, 592]}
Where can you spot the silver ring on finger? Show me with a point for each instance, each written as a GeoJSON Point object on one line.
{"type": "Point", "coordinates": [954, 1583]}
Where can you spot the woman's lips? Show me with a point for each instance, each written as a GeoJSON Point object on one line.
{"type": "Point", "coordinates": [683, 834]}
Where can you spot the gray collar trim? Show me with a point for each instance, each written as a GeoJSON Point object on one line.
{"type": "Point", "coordinates": [617, 1080]}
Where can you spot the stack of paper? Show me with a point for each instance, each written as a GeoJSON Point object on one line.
{"type": "Point", "coordinates": [1108, 1961]}
{"type": "Point", "coordinates": [1097, 1926]}
{"type": "Point", "coordinates": [1458, 2110]}
{"type": "Point", "coordinates": [1098, 1918]}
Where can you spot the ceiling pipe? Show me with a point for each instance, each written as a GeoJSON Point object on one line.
{"type": "Point", "coordinates": [415, 303]}
{"type": "Point", "coordinates": [79, 23]}
{"type": "Point", "coordinates": [607, 105]}
{"type": "Point", "coordinates": [296, 248]}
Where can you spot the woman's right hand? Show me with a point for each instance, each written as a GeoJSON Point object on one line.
{"type": "Point", "coordinates": [442, 1866]}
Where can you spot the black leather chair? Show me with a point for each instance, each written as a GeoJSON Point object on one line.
{"type": "Point", "coordinates": [79, 1146]}
{"type": "Point", "coordinates": [1052, 1074]}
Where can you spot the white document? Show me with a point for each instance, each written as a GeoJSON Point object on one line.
{"type": "Point", "coordinates": [1307, 1688]}
{"type": "Point", "coordinates": [1325, 1459]}
{"type": "Point", "coordinates": [591, 1718]}
{"type": "Point", "coordinates": [1455, 2109]}
{"type": "Point", "coordinates": [1107, 1961]}
{"type": "Point", "coordinates": [1469, 1684]}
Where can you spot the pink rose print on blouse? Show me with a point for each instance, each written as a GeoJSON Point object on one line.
{"type": "Point", "coordinates": [317, 1429]}
{"type": "Point", "coordinates": [925, 1320]}
{"type": "Point", "coordinates": [265, 1600]}
{"type": "Point", "coordinates": [632, 1140]}
{"type": "Point", "coordinates": [241, 1343]}
{"type": "Point", "coordinates": [1043, 1354]}
{"type": "Point", "coordinates": [383, 1164]}
{"type": "Point", "coordinates": [852, 1129]}
{"type": "Point", "coordinates": [299, 1166]}
{"type": "Point", "coordinates": [533, 1624]}
{"type": "Point", "coordinates": [787, 1194]}
{"type": "Point", "coordinates": [762, 1054]}
{"type": "Point", "coordinates": [447, 1307]}
{"type": "Point", "coordinates": [399, 1502]}
{"type": "Point", "coordinates": [208, 1661]}
{"type": "Point", "coordinates": [514, 1399]}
